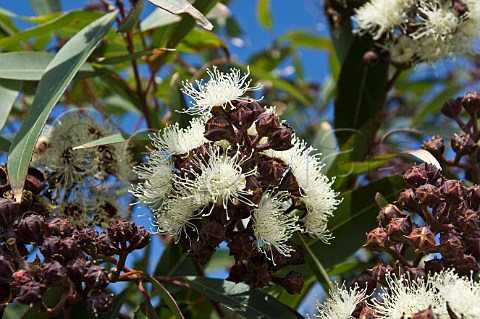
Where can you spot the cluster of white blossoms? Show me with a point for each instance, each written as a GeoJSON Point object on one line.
{"type": "Point", "coordinates": [414, 31]}
{"type": "Point", "coordinates": [214, 165]}
{"type": "Point", "coordinates": [79, 179]}
{"type": "Point", "coordinates": [442, 294]}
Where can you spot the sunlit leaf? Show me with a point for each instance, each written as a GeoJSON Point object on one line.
{"type": "Point", "coordinates": [183, 6]}
{"type": "Point", "coordinates": [9, 90]}
{"type": "Point", "coordinates": [133, 17]}
{"type": "Point", "coordinates": [264, 13]}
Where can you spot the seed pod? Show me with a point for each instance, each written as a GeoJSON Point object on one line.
{"type": "Point", "coordinates": [422, 238]}
{"type": "Point", "coordinates": [428, 195]}
{"type": "Point", "coordinates": [53, 273]}
{"type": "Point", "coordinates": [453, 191]}
{"type": "Point", "coordinates": [463, 144]}
{"type": "Point", "coordinates": [59, 227]}
{"type": "Point", "coordinates": [387, 213]}
{"type": "Point", "coordinates": [267, 123]}
{"type": "Point", "coordinates": [95, 277]}
{"type": "Point", "coordinates": [435, 145]}
{"type": "Point", "coordinates": [9, 212]}
{"type": "Point", "coordinates": [293, 282]}
{"type": "Point", "coordinates": [30, 229]}
{"type": "Point", "coordinates": [398, 228]}
{"type": "Point", "coordinates": [281, 139]}
{"type": "Point", "coordinates": [452, 108]}
{"type": "Point", "coordinates": [99, 302]}
{"type": "Point", "coordinates": [376, 239]}
{"type": "Point", "coordinates": [470, 101]}
{"type": "Point", "coordinates": [219, 128]}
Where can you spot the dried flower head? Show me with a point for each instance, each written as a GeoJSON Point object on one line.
{"type": "Point", "coordinates": [222, 88]}
{"type": "Point", "coordinates": [342, 303]}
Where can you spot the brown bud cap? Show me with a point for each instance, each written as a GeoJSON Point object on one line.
{"type": "Point", "coordinates": [59, 227]}
{"type": "Point", "coordinates": [270, 171]}
{"type": "Point", "coordinates": [201, 251]}
{"type": "Point", "coordinates": [30, 293]}
{"type": "Point", "coordinates": [463, 144]}
{"type": "Point", "coordinates": [398, 228]}
{"type": "Point", "coordinates": [428, 195]}
{"type": "Point", "coordinates": [219, 128]}
{"type": "Point", "coordinates": [253, 185]}
{"type": "Point", "coordinates": [6, 270]}
{"type": "Point", "coordinates": [30, 229]}
{"type": "Point", "coordinates": [371, 58]}
{"type": "Point", "coordinates": [387, 213]}
{"type": "Point", "coordinates": [121, 231]}
{"type": "Point", "coordinates": [250, 104]}
{"type": "Point", "coordinates": [99, 302]}
{"type": "Point", "coordinates": [75, 270]}
{"type": "Point", "coordinates": [466, 266]}
{"type": "Point", "coordinates": [435, 145]}
{"type": "Point", "coordinates": [53, 273]}
{"type": "Point", "coordinates": [471, 102]}
{"type": "Point", "coordinates": [415, 176]}
{"type": "Point", "coordinates": [107, 245]}
{"type": "Point", "coordinates": [213, 233]}
{"type": "Point", "coordinates": [451, 246]}
{"type": "Point", "coordinates": [86, 239]}
{"type": "Point", "coordinates": [453, 191]}
{"type": "Point", "coordinates": [258, 277]}
{"type": "Point", "coordinates": [467, 221]}
{"type": "Point", "coordinates": [473, 197]}
{"type": "Point", "coordinates": [452, 108]}
{"type": "Point", "coordinates": [267, 123]}
{"type": "Point", "coordinates": [9, 212]}
{"type": "Point", "coordinates": [281, 139]}
{"type": "Point", "coordinates": [380, 271]}
{"type": "Point", "coordinates": [435, 265]}
{"type": "Point", "coordinates": [59, 249]}
{"type": "Point", "coordinates": [408, 200]}
{"type": "Point", "coordinates": [422, 238]}
{"type": "Point", "coordinates": [241, 246]}
{"type": "Point", "coordinates": [95, 278]}
{"type": "Point", "coordinates": [242, 117]}
{"type": "Point", "coordinates": [35, 180]}
{"type": "Point", "coordinates": [424, 314]}
{"type": "Point", "coordinates": [368, 313]}
{"type": "Point", "coordinates": [139, 239]}
{"type": "Point", "coordinates": [293, 282]}
{"type": "Point", "coordinates": [472, 243]}
{"type": "Point", "coordinates": [376, 239]}
{"type": "Point", "coordinates": [238, 271]}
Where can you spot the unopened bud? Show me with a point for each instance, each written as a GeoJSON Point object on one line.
{"type": "Point", "coordinates": [422, 238]}
{"type": "Point", "coordinates": [470, 101]}
{"type": "Point", "coordinates": [387, 213]}
{"type": "Point", "coordinates": [453, 191]}
{"type": "Point", "coordinates": [293, 282]}
{"type": "Point", "coordinates": [267, 123]}
{"type": "Point", "coordinates": [463, 144]}
{"type": "Point", "coordinates": [428, 195]}
{"type": "Point", "coordinates": [435, 145]}
{"type": "Point", "coordinates": [219, 128]}
{"type": "Point", "coordinates": [452, 108]}
{"type": "Point", "coordinates": [376, 239]}
{"type": "Point", "coordinates": [30, 229]}
{"type": "Point", "coordinates": [99, 302]}
{"type": "Point", "coordinates": [281, 140]}
{"type": "Point", "coordinates": [371, 58]}
{"type": "Point", "coordinates": [398, 228]}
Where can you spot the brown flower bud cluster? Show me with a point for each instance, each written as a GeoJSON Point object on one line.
{"type": "Point", "coordinates": [434, 216]}
{"type": "Point", "coordinates": [67, 257]}
{"type": "Point", "coordinates": [465, 111]}
{"type": "Point", "coordinates": [225, 223]}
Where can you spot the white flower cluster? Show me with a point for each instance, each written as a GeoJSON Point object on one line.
{"type": "Point", "coordinates": [78, 177]}
{"type": "Point", "coordinates": [414, 31]}
{"type": "Point", "coordinates": [403, 297]}
{"type": "Point", "coordinates": [216, 174]}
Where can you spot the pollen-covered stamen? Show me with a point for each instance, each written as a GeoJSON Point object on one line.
{"type": "Point", "coordinates": [342, 303]}
{"type": "Point", "coordinates": [273, 226]}
{"type": "Point", "coordinates": [219, 179]}
{"type": "Point", "coordinates": [221, 89]}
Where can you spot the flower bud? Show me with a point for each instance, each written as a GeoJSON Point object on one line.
{"type": "Point", "coordinates": [107, 245]}
{"type": "Point", "coordinates": [75, 270]}
{"type": "Point", "coordinates": [415, 273]}
{"type": "Point", "coordinates": [467, 221]}
{"type": "Point", "coordinates": [380, 271]}
{"type": "Point", "coordinates": [289, 183]}
{"type": "Point", "coordinates": [387, 213]}
{"type": "Point", "coordinates": [201, 251]}
{"type": "Point", "coordinates": [471, 102]}
{"type": "Point", "coordinates": [366, 282]}
{"type": "Point", "coordinates": [463, 144]}
{"type": "Point", "coordinates": [30, 293]}
{"type": "Point", "coordinates": [297, 256]}
{"type": "Point", "coordinates": [453, 191]}
{"type": "Point", "coordinates": [53, 273]}
{"type": "Point", "coordinates": [472, 243]}
{"type": "Point", "coordinates": [258, 277]}
{"type": "Point", "coordinates": [408, 200]}
{"type": "Point", "coordinates": [35, 180]}
{"type": "Point", "coordinates": [6, 270]}
{"type": "Point", "coordinates": [466, 266]}
{"type": "Point", "coordinates": [213, 233]}
{"type": "Point", "coordinates": [271, 171]}
{"type": "Point", "coordinates": [473, 197]}
{"type": "Point", "coordinates": [219, 128]}
{"type": "Point", "coordinates": [422, 238]}
{"type": "Point", "coordinates": [99, 302]}
{"type": "Point", "coordinates": [398, 228]}
{"type": "Point", "coordinates": [121, 231]}
{"type": "Point", "coordinates": [95, 278]}
{"type": "Point", "coordinates": [86, 239]}
{"type": "Point", "coordinates": [371, 58]}
{"type": "Point", "coordinates": [452, 108]}
{"type": "Point", "coordinates": [460, 8]}
{"type": "Point", "coordinates": [241, 246]}
{"type": "Point", "coordinates": [281, 139]}
{"type": "Point", "coordinates": [376, 239]}
{"type": "Point", "coordinates": [242, 117]}
{"type": "Point", "coordinates": [254, 186]}
{"type": "Point", "coordinates": [415, 176]}
{"type": "Point", "coordinates": [30, 229]}
{"type": "Point", "coordinates": [428, 195]}
{"type": "Point", "coordinates": [267, 123]}
{"type": "Point", "coordinates": [59, 249]}
{"type": "Point", "coordinates": [433, 266]}
{"type": "Point", "coordinates": [435, 145]}
{"type": "Point", "coordinates": [9, 212]}
{"type": "Point", "coordinates": [451, 246]}
{"type": "Point", "coordinates": [293, 282]}
{"type": "Point", "coordinates": [139, 239]}
{"type": "Point", "coordinates": [59, 227]}
{"type": "Point", "coordinates": [238, 271]}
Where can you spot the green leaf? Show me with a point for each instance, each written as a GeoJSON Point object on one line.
{"type": "Point", "coordinates": [183, 6]}
{"type": "Point", "coordinates": [158, 18]}
{"type": "Point", "coordinates": [174, 262]}
{"type": "Point", "coordinates": [9, 90]}
{"type": "Point", "coordinates": [131, 21]}
{"type": "Point", "coordinates": [433, 107]}
{"type": "Point", "coordinates": [69, 18]}
{"type": "Point", "coordinates": [251, 303]}
{"type": "Point", "coordinates": [317, 267]}
{"type": "Point", "coordinates": [264, 14]}
{"type": "Point", "coordinates": [354, 217]}
{"type": "Point", "coordinates": [57, 76]}
{"type": "Point", "coordinates": [145, 311]}
{"type": "Point", "coordinates": [165, 295]}
{"type": "Point", "coordinates": [307, 39]}
{"type": "Point", "coordinates": [177, 103]}
{"type": "Point", "coordinates": [27, 66]}
{"type": "Point", "coordinates": [116, 138]}
{"type": "Point", "coordinates": [361, 92]}
{"type": "Point", "coordinates": [42, 7]}
{"type": "Point", "coordinates": [4, 144]}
